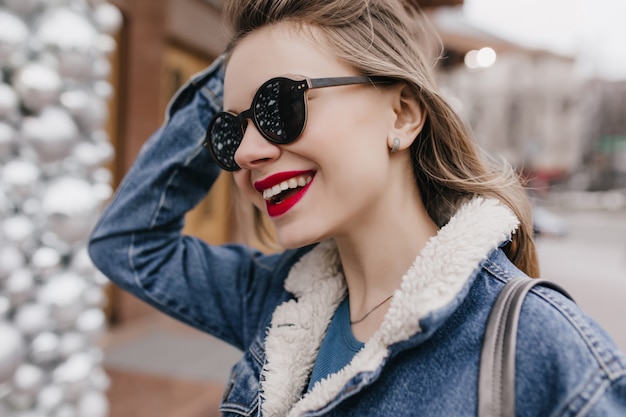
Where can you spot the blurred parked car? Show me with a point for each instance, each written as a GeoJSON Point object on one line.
{"type": "Point", "coordinates": [546, 223]}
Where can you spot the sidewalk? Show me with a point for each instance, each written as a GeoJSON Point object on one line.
{"type": "Point", "coordinates": [161, 368]}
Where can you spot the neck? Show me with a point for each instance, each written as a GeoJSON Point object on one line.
{"type": "Point", "coordinates": [376, 256]}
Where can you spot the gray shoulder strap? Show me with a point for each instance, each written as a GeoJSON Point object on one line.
{"type": "Point", "coordinates": [496, 377]}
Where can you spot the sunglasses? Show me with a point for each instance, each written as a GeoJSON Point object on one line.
{"type": "Point", "coordinates": [278, 111]}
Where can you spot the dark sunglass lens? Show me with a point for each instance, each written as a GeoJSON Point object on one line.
{"type": "Point", "coordinates": [224, 139]}
{"type": "Point", "coordinates": [279, 110]}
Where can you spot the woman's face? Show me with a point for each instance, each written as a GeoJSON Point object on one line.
{"type": "Point", "coordinates": [339, 166]}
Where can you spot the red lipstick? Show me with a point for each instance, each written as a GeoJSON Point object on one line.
{"type": "Point", "coordinates": [278, 207]}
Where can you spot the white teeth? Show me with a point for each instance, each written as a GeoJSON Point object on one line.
{"type": "Point", "coordinates": [291, 183]}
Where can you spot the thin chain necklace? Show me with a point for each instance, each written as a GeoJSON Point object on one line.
{"type": "Point", "coordinates": [371, 310]}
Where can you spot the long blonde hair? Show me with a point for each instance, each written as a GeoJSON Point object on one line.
{"type": "Point", "coordinates": [392, 38]}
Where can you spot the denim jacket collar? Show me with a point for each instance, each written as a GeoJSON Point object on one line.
{"type": "Point", "coordinates": [432, 284]}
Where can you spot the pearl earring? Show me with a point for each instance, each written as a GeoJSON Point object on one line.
{"type": "Point", "coordinates": [396, 145]}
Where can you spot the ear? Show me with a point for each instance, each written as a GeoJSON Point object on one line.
{"type": "Point", "coordinates": [409, 119]}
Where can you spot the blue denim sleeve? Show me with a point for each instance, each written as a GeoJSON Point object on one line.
{"type": "Point", "coordinates": [138, 244]}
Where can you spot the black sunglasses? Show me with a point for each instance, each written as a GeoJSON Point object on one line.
{"type": "Point", "coordinates": [278, 111]}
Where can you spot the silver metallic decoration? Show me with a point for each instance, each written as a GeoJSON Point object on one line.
{"type": "Point", "coordinates": [54, 88]}
{"type": "Point", "coordinates": [89, 110]}
{"type": "Point", "coordinates": [108, 18]}
{"type": "Point", "coordinates": [28, 378]}
{"type": "Point", "coordinates": [46, 261]}
{"type": "Point", "coordinates": [13, 37]}
{"type": "Point", "coordinates": [19, 178]}
{"type": "Point", "coordinates": [32, 318]}
{"type": "Point", "coordinates": [69, 205]}
{"type": "Point", "coordinates": [11, 350]}
{"type": "Point", "coordinates": [11, 259]}
{"type": "Point", "coordinates": [52, 133]}
{"type": "Point", "coordinates": [9, 102]}
{"type": "Point", "coordinates": [38, 85]}
{"type": "Point", "coordinates": [8, 137]}
{"type": "Point", "coordinates": [70, 39]}
{"type": "Point", "coordinates": [19, 286]}
{"type": "Point", "coordinates": [23, 7]}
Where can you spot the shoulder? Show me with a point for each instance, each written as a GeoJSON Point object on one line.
{"type": "Point", "coordinates": [549, 314]}
{"type": "Point", "coordinates": [559, 347]}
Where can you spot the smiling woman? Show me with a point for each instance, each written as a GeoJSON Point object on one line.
{"type": "Point", "coordinates": [398, 232]}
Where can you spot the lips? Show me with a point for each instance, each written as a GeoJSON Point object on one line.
{"type": "Point", "coordinates": [283, 190]}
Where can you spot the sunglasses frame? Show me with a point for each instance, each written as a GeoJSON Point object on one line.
{"type": "Point", "coordinates": [298, 85]}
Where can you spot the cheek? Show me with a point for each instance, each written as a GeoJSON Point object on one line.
{"type": "Point", "coordinates": [245, 188]}
{"type": "Point", "coordinates": [242, 178]}
{"type": "Point", "coordinates": [366, 123]}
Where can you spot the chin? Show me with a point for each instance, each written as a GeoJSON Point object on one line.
{"type": "Point", "coordinates": [297, 240]}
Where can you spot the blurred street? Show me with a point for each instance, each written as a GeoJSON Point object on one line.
{"type": "Point", "coordinates": [590, 262]}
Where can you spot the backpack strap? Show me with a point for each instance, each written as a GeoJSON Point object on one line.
{"type": "Point", "coordinates": [496, 376]}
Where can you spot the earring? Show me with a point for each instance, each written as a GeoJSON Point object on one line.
{"type": "Point", "coordinates": [396, 145]}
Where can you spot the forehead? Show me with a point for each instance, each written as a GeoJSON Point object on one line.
{"type": "Point", "coordinates": [283, 49]}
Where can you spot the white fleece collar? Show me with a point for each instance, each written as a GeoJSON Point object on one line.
{"type": "Point", "coordinates": [437, 275]}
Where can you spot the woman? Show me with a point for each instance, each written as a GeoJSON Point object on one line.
{"type": "Point", "coordinates": [398, 235]}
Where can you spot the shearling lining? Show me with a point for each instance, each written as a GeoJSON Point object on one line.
{"type": "Point", "coordinates": [436, 277]}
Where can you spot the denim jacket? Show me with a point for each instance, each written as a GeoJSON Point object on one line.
{"type": "Point", "coordinates": [424, 359]}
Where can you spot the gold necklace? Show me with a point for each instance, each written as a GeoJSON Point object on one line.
{"type": "Point", "coordinates": [371, 311]}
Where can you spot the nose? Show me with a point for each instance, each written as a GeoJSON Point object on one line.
{"type": "Point", "coordinates": [254, 150]}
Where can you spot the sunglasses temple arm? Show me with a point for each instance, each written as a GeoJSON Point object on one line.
{"type": "Point", "coordinates": [337, 81]}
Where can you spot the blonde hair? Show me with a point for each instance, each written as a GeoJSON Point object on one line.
{"type": "Point", "coordinates": [392, 38]}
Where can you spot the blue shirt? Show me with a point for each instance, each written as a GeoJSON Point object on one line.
{"type": "Point", "coordinates": [338, 346]}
